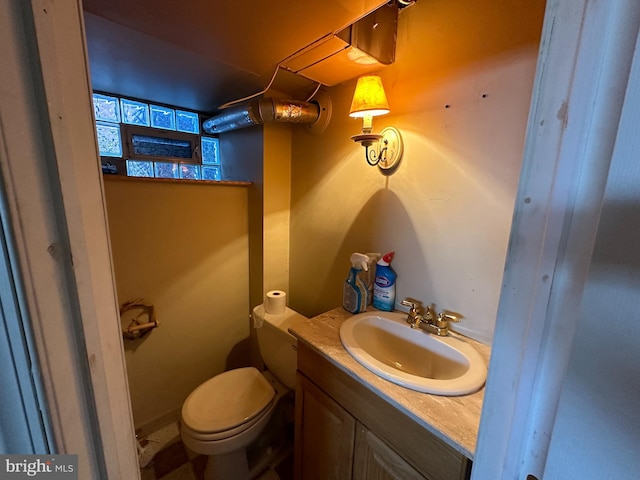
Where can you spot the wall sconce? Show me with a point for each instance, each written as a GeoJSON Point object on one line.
{"type": "Point", "coordinates": [369, 100]}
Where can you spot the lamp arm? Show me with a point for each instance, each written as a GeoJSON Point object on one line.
{"type": "Point", "coordinates": [376, 156]}
{"type": "Point", "coordinates": [367, 156]}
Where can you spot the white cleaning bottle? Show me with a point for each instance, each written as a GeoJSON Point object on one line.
{"type": "Point", "coordinates": [354, 293]}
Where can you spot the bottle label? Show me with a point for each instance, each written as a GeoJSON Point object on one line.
{"type": "Point", "coordinates": [384, 297]}
{"type": "Point", "coordinates": [350, 298]}
{"type": "Point", "coordinates": [354, 297]}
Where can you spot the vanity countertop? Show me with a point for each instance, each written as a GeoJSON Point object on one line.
{"type": "Point", "coordinates": [455, 420]}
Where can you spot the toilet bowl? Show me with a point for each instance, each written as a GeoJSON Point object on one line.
{"type": "Point", "coordinates": [226, 414]}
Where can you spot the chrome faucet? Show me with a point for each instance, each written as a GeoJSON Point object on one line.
{"type": "Point", "coordinates": [427, 319]}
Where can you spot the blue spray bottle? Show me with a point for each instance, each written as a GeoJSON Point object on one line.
{"type": "Point", "coordinates": [354, 293]}
{"type": "Point", "coordinates": [384, 289]}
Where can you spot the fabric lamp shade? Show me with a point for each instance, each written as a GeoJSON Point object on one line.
{"type": "Point", "coordinates": [369, 98]}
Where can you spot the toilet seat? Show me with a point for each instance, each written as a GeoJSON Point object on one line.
{"type": "Point", "coordinates": [221, 443]}
{"type": "Point", "coordinates": [227, 404]}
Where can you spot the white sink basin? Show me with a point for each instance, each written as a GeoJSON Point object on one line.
{"type": "Point", "coordinates": [385, 344]}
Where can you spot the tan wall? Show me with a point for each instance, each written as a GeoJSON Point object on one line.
{"type": "Point", "coordinates": [184, 248]}
{"type": "Point", "coordinates": [277, 202]}
{"type": "Point", "coordinates": [241, 153]}
{"type": "Point", "coordinates": [262, 155]}
{"type": "Point", "coordinates": [459, 92]}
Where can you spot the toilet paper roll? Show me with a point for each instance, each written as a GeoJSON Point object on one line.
{"type": "Point", "coordinates": [275, 301]}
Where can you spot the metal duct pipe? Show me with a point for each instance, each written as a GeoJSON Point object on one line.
{"type": "Point", "coordinates": [261, 111]}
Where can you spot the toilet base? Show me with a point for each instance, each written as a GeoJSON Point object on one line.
{"type": "Point", "coordinates": [229, 465]}
{"type": "Point", "coordinates": [271, 444]}
{"type": "Point", "coordinates": [246, 463]}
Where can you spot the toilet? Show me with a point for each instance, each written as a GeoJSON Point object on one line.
{"type": "Point", "coordinates": [228, 414]}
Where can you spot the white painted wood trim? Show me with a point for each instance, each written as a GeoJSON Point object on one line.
{"type": "Point", "coordinates": [53, 186]}
{"type": "Point", "coordinates": [36, 236]}
{"type": "Point", "coordinates": [583, 68]}
{"type": "Point", "coordinates": [64, 59]}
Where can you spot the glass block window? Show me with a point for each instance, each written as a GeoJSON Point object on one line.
{"type": "Point", "coordinates": [109, 139]}
{"type": "Point", "coordinates": [106, 109]}
{"type": "Point", "coordinates": [134, 113]}
{"type": "Point", "coordinates": [211, 172]}
{"type": "Point", "coordinates": [187, 122]}
{"type": "Point", "coordinates": [153, 141]}
{"type": "Point", "coordinates": [190, 171]}
{"type": "Point", "coordinates": [137, 168]}
{"type": "Point", "coordinates": [163, 117]}
{"type": "Point", "coordinates": [167, 170]}
{"type": "Point", "coordinates": [210, 151]}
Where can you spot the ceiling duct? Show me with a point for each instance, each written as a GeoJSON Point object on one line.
{"type": "Point", "coordinates": [362, 47]}
{"type": "Point", "coordinates": [263, 110]}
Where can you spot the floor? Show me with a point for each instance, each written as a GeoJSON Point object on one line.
{"type": "Point", "coordinates": [176, 462]}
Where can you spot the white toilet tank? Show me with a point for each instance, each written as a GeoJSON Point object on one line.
{"type": "Point", "coordinates": [277, 346]}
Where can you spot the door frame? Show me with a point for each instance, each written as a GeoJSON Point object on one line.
{"type": "Point", "coordinates": [584, 63]}
{"type": "Point", "coordinates": [52, 183]}
{"type": "Point", "coordinates": [56, 201]}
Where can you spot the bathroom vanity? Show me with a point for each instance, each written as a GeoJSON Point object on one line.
{"type": "Point", "coordinates": [350, 423]}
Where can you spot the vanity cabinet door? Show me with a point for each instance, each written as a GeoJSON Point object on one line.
{"type": "Point", "coordinates": [324, 436]}
{"type": "Point", "coordinates": [329, 405]}
{"type": "Point", "coordinates": [375, 460]}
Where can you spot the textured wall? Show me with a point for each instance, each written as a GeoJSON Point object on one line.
{"type": "Point", "coordinates": [184, 248]}
{"type": "Point", "coordinates": [459, 92]}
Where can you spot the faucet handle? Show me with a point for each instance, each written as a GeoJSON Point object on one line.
{"type": "Point", "coordinates": [445, 317]}
{"type": "Point", "coordinates": [450, 317]}
{"type": "Point", "coordinates": [410, 302]}
{"type": "Point", "coordinates": [414, 305]}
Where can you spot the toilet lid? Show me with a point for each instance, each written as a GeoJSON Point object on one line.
{"type": "Point", "coordinates": [227, 400]}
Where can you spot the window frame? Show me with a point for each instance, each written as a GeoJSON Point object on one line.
{"type": "Point", "coordinates": [128, 153]}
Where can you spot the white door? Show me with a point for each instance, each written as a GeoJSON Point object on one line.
{"type": "Point", "coordinates": [562, 382]}
{"type": "Point", "coordinates": [597, 427]}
